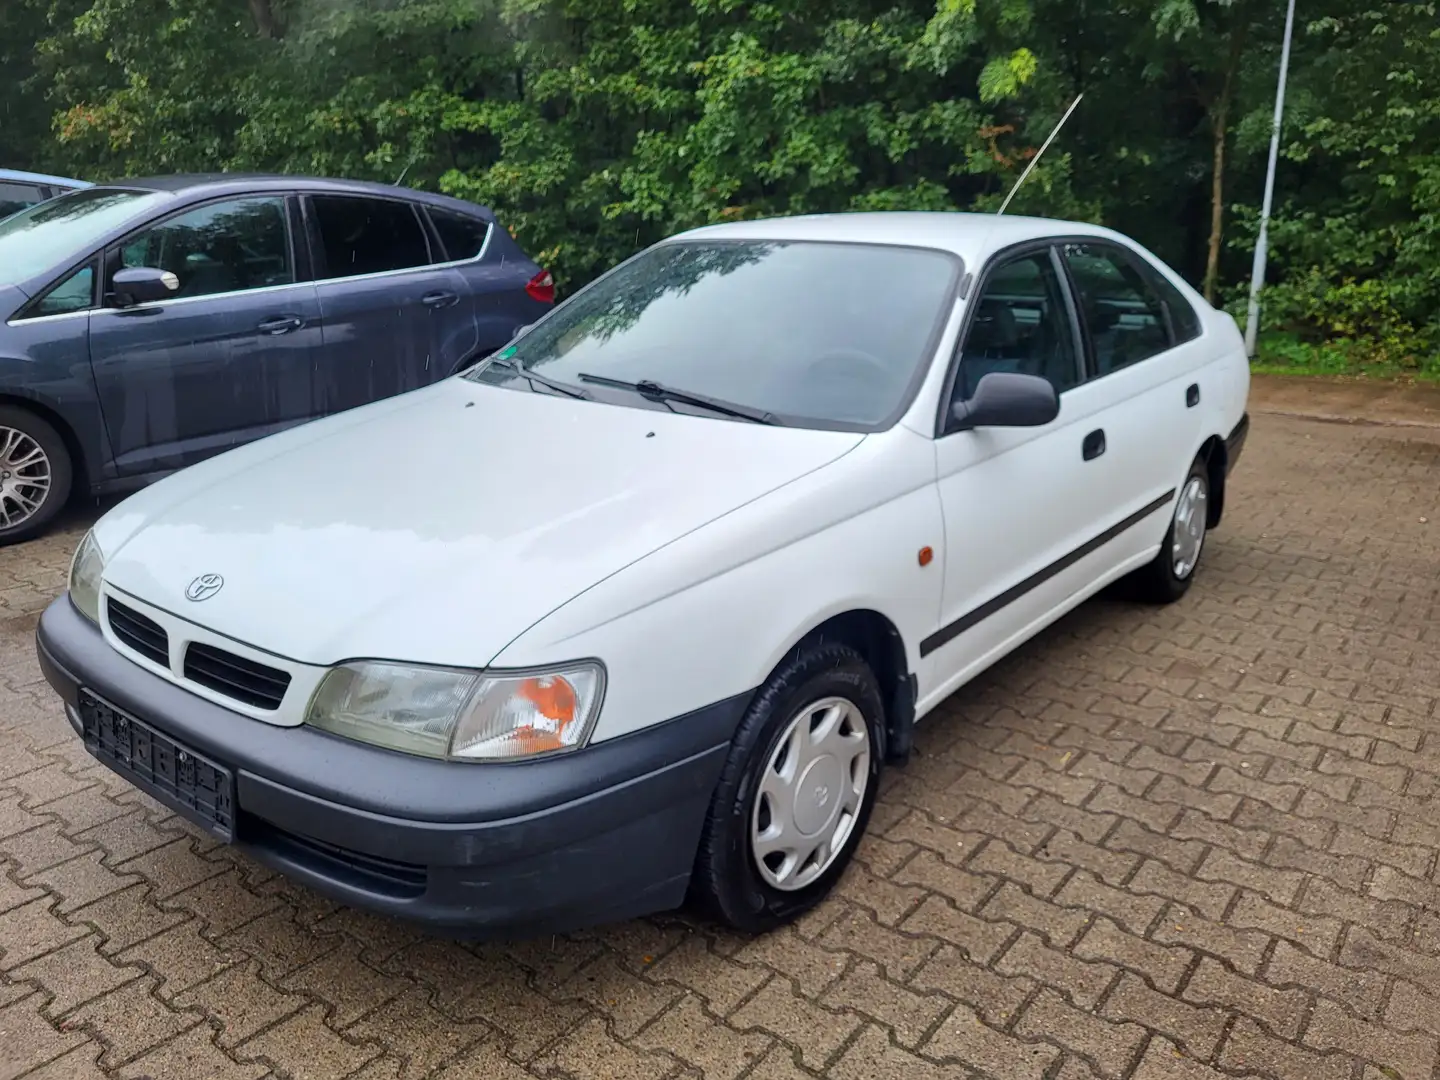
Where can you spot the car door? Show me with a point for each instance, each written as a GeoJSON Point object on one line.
{"type": "Point", "coordinates": [1015, 500]}
{"type": "Point", "coordinates": [483, 321]}
{"type": "Point", "coordinates": [230, 358]}
{"type": "Point", "coordinates": [387, 308]}
{"type": "Point", "coordinates": [1147, 377]}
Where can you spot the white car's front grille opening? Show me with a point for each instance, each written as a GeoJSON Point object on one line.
{"type": "Point", "coordinates": [234, 676]}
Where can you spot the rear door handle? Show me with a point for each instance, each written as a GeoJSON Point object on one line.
{"type": "Point", "coordinates": [281, 324]}
{"type": "Point", "coordinates": [1094, 445]}
{"type": "Point", "coordinates": [1192, 395]}
{"type": "Point", "coordinates": [439, 299]}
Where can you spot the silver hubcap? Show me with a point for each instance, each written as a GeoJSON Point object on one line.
{"type": "Point", "coordinates": [1189, 534]}
{"type": "Point", "coordinates": [24, 477]}
{"type": "Point", "coordinates": [810, 794]}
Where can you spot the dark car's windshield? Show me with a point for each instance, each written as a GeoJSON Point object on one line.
{"type": "Point", "coordinates": [822, 334]}
{"type": "Point", "coordinates": [54, 232]}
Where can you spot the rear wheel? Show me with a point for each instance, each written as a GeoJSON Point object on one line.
{"type": "Point", "coordinates": [796, 791]}
{"type": "Point", "coordinates": [1168, 578]}
{"type": "Point", "coordinates": [35, 474]}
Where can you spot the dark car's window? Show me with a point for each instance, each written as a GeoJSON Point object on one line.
{"type": "Point", "coordinates": [222, 247]}
{"type": "Point", "coordinates": [462, 236]}
{"type": "Point", "coordinates": [54, 234]}
{"type": "Point", "coordinates": [74, 293]}
{"type": "Point", "coordinates": [1021, 325]}
{"type": "Point", "coordinates": [1123, 314]}
{"type": "Point", "coordinates": [819, 334]}
{"type": "Point", "coordinates": [368, 236]}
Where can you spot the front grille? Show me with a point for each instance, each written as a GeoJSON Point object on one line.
{"type": "Point", "coordinates": [138, 632]}
{"type": "Point", "coordinates": [235, 677]}
{"type": "Point", "coordinates": [354, 868]}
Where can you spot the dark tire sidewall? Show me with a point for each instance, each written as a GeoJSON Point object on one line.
{"type": "Point", "coordinates": [61, 472]}
{"type": "Point", "coordinates": [735, 890]}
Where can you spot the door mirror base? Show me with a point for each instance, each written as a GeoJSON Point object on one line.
{"type": "Point", "coordinates": [1007, 399]}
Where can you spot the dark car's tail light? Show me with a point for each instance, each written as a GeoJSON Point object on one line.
{"type": "Point", "coordinates": [541, 287]}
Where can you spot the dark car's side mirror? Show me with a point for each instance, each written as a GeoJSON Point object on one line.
{"type": "Point", "coordinates": [1007, 399]}
{"type": "Point", "coordinates": [143, 285]}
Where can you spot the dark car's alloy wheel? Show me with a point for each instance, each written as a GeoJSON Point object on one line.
{"type": "Point", "coordinates": [35, 472]}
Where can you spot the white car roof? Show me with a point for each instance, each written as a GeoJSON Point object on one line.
{"type": "Point", "coordinates": [971, 236]}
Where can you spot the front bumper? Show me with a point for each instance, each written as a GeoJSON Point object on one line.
{"type": "Point", "coordinates": [603, 834]}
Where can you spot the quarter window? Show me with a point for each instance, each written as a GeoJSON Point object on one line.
{"type": "Point", "coordinates": [223, 247]}
{"type": "Point", "coordinates": [368, 236]}
{"type": "Point", "coordinates": [74, 293]}
{"type": "Point", "coordinates": [462, 236]}
{"type": "Point", "coordinates": [1020, 325]}
{"type": "Point", "coordinates": [1184, 323]}
{"type": "Point", "coordinates": [1123, 313]}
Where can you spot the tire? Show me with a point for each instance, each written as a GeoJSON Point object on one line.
{"type": "Point", "coordinates": [821, 688]}
{"type": "Point", "coordinates": [1168, 578]}
{"type": "Point", "coordinates": [30, 447]}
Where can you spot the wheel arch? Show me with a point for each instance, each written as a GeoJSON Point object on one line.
{"type": "Point", "coordinates": [80, 464]}
{"type": "Point", "coordinates": [876, 638]}
{"type": "Point", "coordinates": [1216, 457]}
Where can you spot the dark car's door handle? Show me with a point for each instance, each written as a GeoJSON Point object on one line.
{"type": "Point", "coordinates": [1094, 445]}
{"type": "Point", "coordinates": [281, 324]}
{"type": "Point", "coordinates": [1192, 395]}
{"type": "Point", "coordinates": [439, 299]}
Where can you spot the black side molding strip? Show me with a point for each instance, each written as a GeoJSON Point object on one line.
{"type": "Point", "coordinates": [946, 634]}
{"type": "Point", "coordinates": [1235, 442]}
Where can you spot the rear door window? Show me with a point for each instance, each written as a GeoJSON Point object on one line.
{"type": "Point", "coordinates": [1123, 314]}
{"type": "Point", "coordinates": [462, 236]}
{"type": "Point", "coordinates": [367, 236]}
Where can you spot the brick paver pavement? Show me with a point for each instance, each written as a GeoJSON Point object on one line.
{"type": "Point", "coordinates": [1177, 843]}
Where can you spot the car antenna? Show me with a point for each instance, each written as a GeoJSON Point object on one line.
{"type": "Point", "coordinates": [1043, 147]}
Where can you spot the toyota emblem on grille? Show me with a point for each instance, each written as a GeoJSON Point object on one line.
{"type": "Point", "coordinates": [204, 587]}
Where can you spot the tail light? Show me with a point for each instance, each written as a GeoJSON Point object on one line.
{"type": "Point", "coordinates": [541, 287]}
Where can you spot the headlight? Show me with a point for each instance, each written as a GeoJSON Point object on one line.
{"type": "Point", "coordinates": [463, 715]}
{"type": "Point", "coordinates": [85, 570]}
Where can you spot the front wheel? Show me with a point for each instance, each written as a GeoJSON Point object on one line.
{"type": "Point", "coordinates": [1168, 578]}
{"type": "Point", "coordinates": [35, 474]}
{"type": "Point", "coordinates": [796, 791]}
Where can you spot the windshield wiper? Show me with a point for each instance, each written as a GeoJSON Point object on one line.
{"type": "Point", "coordinates": [550, 384]}
{"type": "Point", "coordinates": [653, 391]}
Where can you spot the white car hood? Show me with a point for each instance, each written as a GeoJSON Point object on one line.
{"type": "Point", "coordinates": [437, 527]}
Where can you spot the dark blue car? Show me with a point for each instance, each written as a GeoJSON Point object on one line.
{"type": "Point", "coordinates": [149, 324]}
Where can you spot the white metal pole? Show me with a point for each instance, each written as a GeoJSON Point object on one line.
{"type": "Point", "coordinates": [1257, 268]}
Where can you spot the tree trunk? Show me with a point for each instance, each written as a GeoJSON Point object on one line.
{"type": "Point", "coordinates": [1219, 128]}
{"type": "Point", "coordinates": [266, 24]}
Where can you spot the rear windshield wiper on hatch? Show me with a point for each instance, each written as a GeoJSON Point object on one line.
{"type": "Point", "coordinates": [550, 384]}
{"type": "Point", "coordinates": [654, 391]}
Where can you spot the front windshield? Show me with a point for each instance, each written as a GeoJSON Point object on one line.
{"type": "Point", "coordinates": [52, 233]}
{"type": "Point", "coordinates": [817, 334]}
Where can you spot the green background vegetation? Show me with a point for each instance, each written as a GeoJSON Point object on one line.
{"type": "Point", "coordinates": [595, 127]}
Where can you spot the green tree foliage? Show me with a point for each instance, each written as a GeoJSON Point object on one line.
{"type": "Point", "coordinates": [595, 127]}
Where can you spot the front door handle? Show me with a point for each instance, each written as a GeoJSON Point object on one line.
{"type": "Point", "coordinates": [1094, 445]}
{"type": "Point", "coordinates": [439, 299]}
{"type": "Point", "coordinates": [281, 324]}
{"type": "Point", "coordinates": [1192, 395]}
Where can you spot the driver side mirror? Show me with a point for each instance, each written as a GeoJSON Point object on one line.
{"type": "Point", "coordinates": [1007, 399]}
{"type": "Point", "coordinates": [143, 285]}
